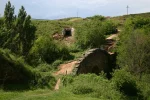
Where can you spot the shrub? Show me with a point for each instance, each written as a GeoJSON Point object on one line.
{"type": "Point", "coordinates": [47, 50]}
{"type": "Point", "coordinates": [46, 80]}
{"type": "Point", "coordinates": [13, 69]}
{"type": "Point", "coordinates": [134, 51]}
{"type": "Point", "coordinates": [89, 35]}
{"type": "Point", "coordinates": [15, 73]}
{"type": "Point", "coordinates": [126, 83]}
{"type": "Point", "coordinates": [97, 17]}
{"type": "Point", "coordinates": [57, 63]}
{"type": "Point", "coordinates": [66, 80]}
{"type": "Point", "coordinates": [84, 89]}
{"type": "Point", "coordinates": [74, 48]}
{"type": "Point", "coordinates": [144, 85]}
{"type": "Point", "coordinates": [108, 27]}
{"type": "Point", "coordinates": [137, 23]}
{"type": "Point", "coordinates": [93, 86]}
{"type": "Point", "coordinates": [44, 67]}
{"type": "Point", "coordinates": [140, 22]}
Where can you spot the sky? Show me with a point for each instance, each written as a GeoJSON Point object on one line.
{"type": "Point", "coordinates": [57, 9]}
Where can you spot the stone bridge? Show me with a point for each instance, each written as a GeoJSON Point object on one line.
{"type": "Point", "coordinates": [95, 61]}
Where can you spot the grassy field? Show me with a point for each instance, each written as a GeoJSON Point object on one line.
{"type": "Point", "coordinates": [41, 95]}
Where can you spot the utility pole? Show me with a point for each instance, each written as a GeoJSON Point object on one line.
{"type": "Point", "coordinates": [127, 9]}
{"type": "Point", "coordinates": [77, 13]}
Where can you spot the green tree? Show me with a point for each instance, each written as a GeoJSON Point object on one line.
{"type": "Point", "coordinates": [1, 31]}
{"type": "Point", "coordinates": [25, 30]}
{"type": "Point", "coordinates": [134, 48]}
{"type": "Point", "coordinates": [18, 32]}
{"type": "Point", "coordinates": [7, 26]}
{"type": "Point", "coordinates": [9, 15]}
{"type": "Point", "coordinates": [29, 35]}
{"type": "Point", "coordinates": [135, 52]}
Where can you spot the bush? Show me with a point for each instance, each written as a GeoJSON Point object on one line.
{"type": "Point", "coordinates": [57, 63]}
{"type": "Point", "coordinates": [108, 27]}
{"type": "Point", "coordinates": [84, 89]}
{"type": "Point", "coordinates": [97, 17]}
{"type": "Point", "coordinates": [13, 69]}
{"type": "Point", "coordinates": [141, 22]}
{"type": "Point", "coordinates": [144, 85]}
{"type": "Point", "coordinates": [66, 80]}
{"type": "Point", "coordinates": [44, 67]}
{"type": "Point", "coordinates": [126, 83]}
{"type": "Point", "coordinates": [93, 86]}
{"type": "Point", "coordinates": [134, 51]}
{"type": "Point", "coordinates": [74, 48]}
{"type": "Point", "coordinates": [16, 74]}
{"type": "Point", "coordinates": [46, 80]}
{"type": "Point", "coordinates": [89, 35]}
{"type": "Point", "coordinates": [47, 50]}
{"type": "Point", "coordinates": [133, 23]}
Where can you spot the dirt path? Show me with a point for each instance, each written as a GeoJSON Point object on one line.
{"type": "Point", "coordinates": [57, 85]}
{"type": "Point", "coordinates": [111, 42]}
{"type": "Point", "coordinates": [112, 36]}
{"type": "Point", "coordinates": [64, 69]}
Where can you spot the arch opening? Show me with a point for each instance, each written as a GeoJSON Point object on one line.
{"type": "Point", "coordinates": [95, 70]}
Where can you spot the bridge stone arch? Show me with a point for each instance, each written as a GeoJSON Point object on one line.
{"type": "Point", "coordinates": [95, 61]}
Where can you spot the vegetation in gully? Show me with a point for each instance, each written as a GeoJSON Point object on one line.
{"type": "Point", "coordinates": [29, 57]}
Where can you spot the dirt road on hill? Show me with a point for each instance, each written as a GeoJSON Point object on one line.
{"type": "Point", "coordinates": [57, 85]}
{"type": "Point", "coordinates": [64, 69]}
{"type": "Point", "coordinates": [112, 36]}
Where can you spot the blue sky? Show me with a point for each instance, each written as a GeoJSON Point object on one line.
{"type": "Point", "coordinates": [55, 9]}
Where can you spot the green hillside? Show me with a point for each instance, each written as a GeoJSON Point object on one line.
{"type": "Point", "coordinates": [35, 55]}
